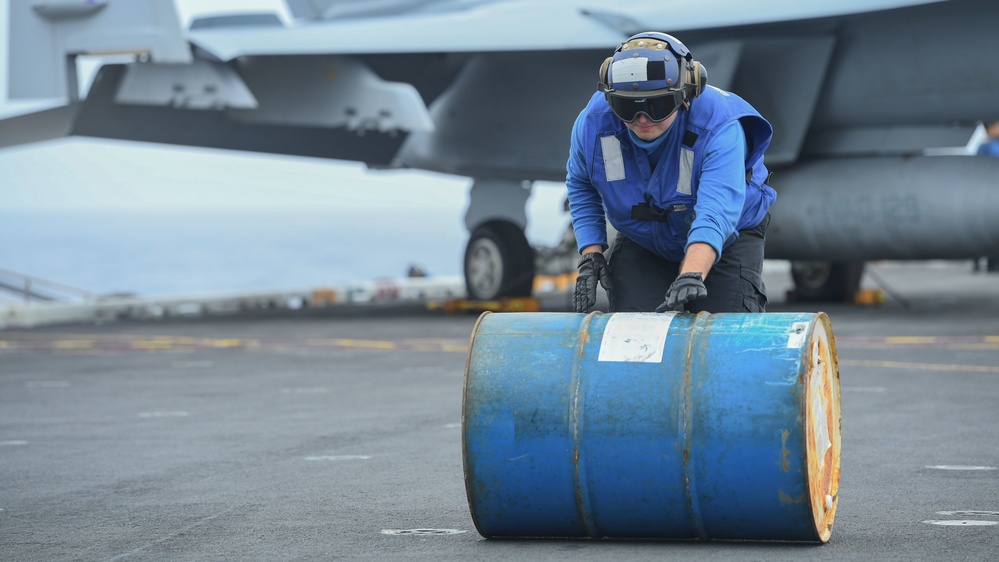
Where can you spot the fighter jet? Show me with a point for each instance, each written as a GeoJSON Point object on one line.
{"type": "Point", "coordinates": [859, 92]}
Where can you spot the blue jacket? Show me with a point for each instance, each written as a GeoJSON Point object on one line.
{"type": "Point", "coordinates": [989, 148]}
{"type": "Point", "coordinates": [608, 175]}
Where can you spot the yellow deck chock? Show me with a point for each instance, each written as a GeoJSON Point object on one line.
{"type": "Point", "coordinates": [519, 304]}
{"type": "Point", "coordinates": [869, 297]}
{"type": "Point", "coordinates": [323, 297]}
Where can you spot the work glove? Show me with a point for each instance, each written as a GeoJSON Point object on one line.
{"type": "Point", "coordinates": [592, 268]}
{"type": "Point", "coordinates": [687, 287]}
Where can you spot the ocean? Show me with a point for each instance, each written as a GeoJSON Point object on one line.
{"type": "Point", "coordinates": [111, 217]}
{"type": "Point", "coordinates": [154, 252]}
{"type": "Point", "coordinates": [157, 253]}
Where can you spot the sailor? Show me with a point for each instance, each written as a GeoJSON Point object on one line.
{"type": "Point", "coordinates": [676, 166]}
{"type": "Point", "coordinates": [991, 145]}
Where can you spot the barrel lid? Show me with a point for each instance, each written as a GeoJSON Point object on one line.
{"type": "Point", "coordinates": [822, 414]}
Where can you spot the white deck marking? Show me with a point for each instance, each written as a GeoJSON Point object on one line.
{"type": "Point", "coordinates": [871, 389]}
{"type": "Point", "coordinates": [422, 532]}
{"type": "Point", "coordinates": [969, 513]}
{"type": "Point", "coordinates": [960, 522]}
{"type": "Point", "coordinates": [958, 467]}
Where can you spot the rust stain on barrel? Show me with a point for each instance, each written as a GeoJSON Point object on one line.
{"type": "Point", "coordinates": [584, 340]}
{"type": "Point", "coordinates": [787, 498]}
{"type": "Point", "coordinates": [785, 454]}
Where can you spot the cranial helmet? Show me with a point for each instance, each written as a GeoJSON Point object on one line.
{"type": "Point", "coordinates": [651, 73]}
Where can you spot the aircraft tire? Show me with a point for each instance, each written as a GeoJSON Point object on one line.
{"type": "Point", "coordinates": [499, 262]}
{"type": "Point", "coordinates": [823, 281]}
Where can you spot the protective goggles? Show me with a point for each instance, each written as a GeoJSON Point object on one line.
{"type": "Point", "coordinates": [656, 108]}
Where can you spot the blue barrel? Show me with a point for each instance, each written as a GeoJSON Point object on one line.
{"type": "Point", "coordinates": [644, 425]}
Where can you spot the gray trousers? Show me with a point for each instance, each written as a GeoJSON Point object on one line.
{"type": "Point", "coordinates": [735, 283]}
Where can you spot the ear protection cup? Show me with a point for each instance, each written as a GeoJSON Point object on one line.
{"type": "Point", "coordinates": [696, 79]}
{"type": "Point", "coordinates": [603, 71]}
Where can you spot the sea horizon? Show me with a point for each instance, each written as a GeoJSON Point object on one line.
{"type": "Point", "coordinates": [155, 252]}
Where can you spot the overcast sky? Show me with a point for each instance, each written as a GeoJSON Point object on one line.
{"type": "Point", "coordinates": [85, 174]}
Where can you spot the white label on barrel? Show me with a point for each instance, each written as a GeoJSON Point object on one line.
{"type": "Point", "coordinates": [799, 331]}
{"type": "Point", "coordinates": [635, 337]}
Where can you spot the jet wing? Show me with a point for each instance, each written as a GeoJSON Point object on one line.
{"type": "Point", "coordinates": [506, 25]}
{"type": "Point", "coordinates": [397, 83]}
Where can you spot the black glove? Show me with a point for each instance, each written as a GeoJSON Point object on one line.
{"type": "Point", "coordinates": [592, 268]}
{"type": "Point", "coordinates": [687, 287]}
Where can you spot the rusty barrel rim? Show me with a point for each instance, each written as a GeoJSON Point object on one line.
{"type": "Point", "coordinates": [822, 412]}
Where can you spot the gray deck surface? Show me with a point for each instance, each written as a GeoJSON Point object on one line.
{"type": "Point", "coordinates": [308, 438]}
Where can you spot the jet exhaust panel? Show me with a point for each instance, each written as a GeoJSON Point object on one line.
{"type": "Point", "coordinates": [507, 115]}
{"type": "Point", "coordinates": [942, 207]}
{"type": "Point", "coordinates": [920, 66]}
{"type": "Point", "coordinates": [783, 78]}
{"type": "Point", "coordinates": [721, 59]}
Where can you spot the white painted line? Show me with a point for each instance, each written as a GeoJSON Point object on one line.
{"type": "Point", "coordinates": [960, 522]}
{"type": "Point", "coordinates": [871, 389]}
{"type": "Point", "coordinates": [48, 384]}
{"type": "Point", "coordinates": [422, 532]}
{"type": "Point", "coordinates": [177, 414]}
{"type": "Point", "coordinates": [958, 467]}
{"type": "Point", "coordinates": [969, 513]}
{"type": "Point", "coordinates": [13, 443]}
{"type": "Point", "coordinates": [339, 458]}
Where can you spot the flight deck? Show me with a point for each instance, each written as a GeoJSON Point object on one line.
{"type": "Point", "coordinates": [338, 435]}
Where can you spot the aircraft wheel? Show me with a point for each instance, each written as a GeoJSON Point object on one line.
{"type": "Point", "coordinates": [823, 281]}
{"type": "Point", "coordinates": [499, 262]}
